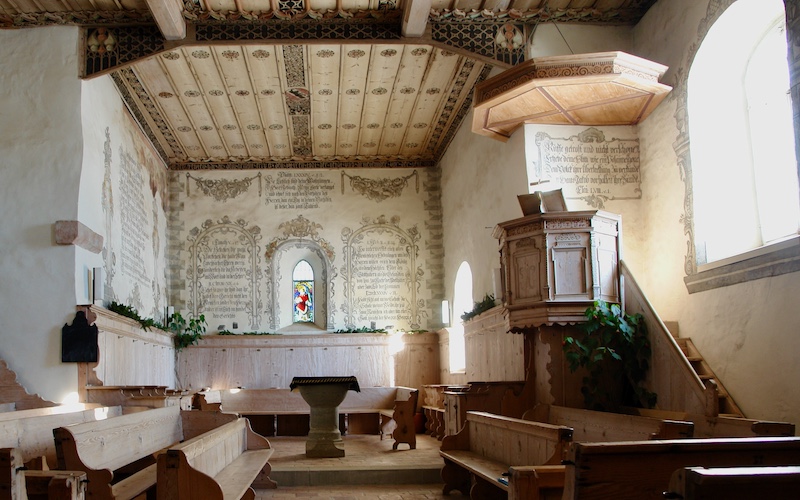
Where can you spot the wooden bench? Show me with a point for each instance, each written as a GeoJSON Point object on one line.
{"type": "Point", "coordinates": [478, 458]}
{"type": "Point", "coordinates": [26, 442]}
{"type": "Point", "coordinates": [433, 407]}
{"type": "Point", "coordinates": [642, 470]}
{"type": "Point", "coordinates": [598, 426]}
{"type": "Point", "coordinates": [275, 412]}
{"type": "Point", "coordinates": [118, 454]}
{"type": "Point", "coordinates": [398, 421]}
{"type": "Point", "coordinates": [724, 483]}
{"type": "Point", "coordinates": [723, 426]}
{"type": "Point", "coordinates": [222, 463]}
{"type": "Point", "coordinates": [16, 483]}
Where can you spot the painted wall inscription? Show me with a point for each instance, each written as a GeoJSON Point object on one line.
{"type": "Point", "coordinates": [224, 274]}
{"type": "Point", "coordinates": [299, 190]}
{"type": "Point", "coordinates": [382, 275]}
{"type": "Point", "coordinates": [589, 167]}
{"type": "Point", "coordinates": [135, 228]}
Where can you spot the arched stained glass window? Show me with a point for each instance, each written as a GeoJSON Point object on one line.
{"type": "Point", "coordinates": [303, 294]}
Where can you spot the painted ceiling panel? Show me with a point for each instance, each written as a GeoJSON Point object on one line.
{"type": "Point", "coordinates": [311, 82]}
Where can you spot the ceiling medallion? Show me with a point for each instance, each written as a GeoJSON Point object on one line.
{"type": "Point", "coordinates": [324, 126]}
{"type": "Point", "coordinates": [184, 128]}
{"type": "Point", "coordinates": [257, 146]}
{"type": "Point", "coordinates": [191, 93]}
{"type": "Point", "coordinates": [254, 126]}
{"type": "Point", "coordinates": [171, 56]}
{"type": "Point", "coordinates": [243, 93]}
{"type": "Point", "coordinates": [260, 54]}
{"type": "Point", "coordinates": [165, 95]}
{"type": "Point", "coordinates": [268, 92]}
{"type": "Point", "coordinates": [420, 125]}
{"type": "Point", "coordinates": [379, 91]}
{"type": "Point", "coordinates": [396, 125]}
{"type": "Point", "coordinates": [237, 146]}
{"type": "Point", "coordinates": [390, 145]}
{"type": "Point", "coordinates": [447, 53]}
{"type": "Point", "coordinates": [388, 53]}
{"type": "Point", "coordinates": [230, 55]}
{"type": "Point", "coordinates": [325, 145]}
{"type": "Point", "coordinates": [325, 92]}
{"type": "Point", "coordinates": [369, 144]}
{"type": "Point", "coordinates": [200, 54]}
{"type": "Point", "coordinates": [280, 146]}
{"type": "Point", "coordinates": [206, 128]}
{"type": "Point", "coordinates": [276, 126]}
{"type": "Point", "coordinates": [229, 126]}
{"type": "Point", "coordinates": [216, 148]}
{"type": "Point", "coordinates": [373, 125]}
{"type": "Point", "coordinates": [407, 90]}
{"type": "Point", "coordinates": [216, 92]}
{"type": "Point", "coordinates": [352, 91]}
{"type": "Point", "coordinates": [419, 52]}
{"type": "Point", "coordinates": [345, 146]}
{"type": "Point", "coordinates": [355, 54]}
{"type": "Point", "coordinates": [325, 53]}
{"type": "Point", "coordinates": [432, 91]}
{"type": "Point", "coordinates": [348, 126]}
{"type": "Point", "coordinates": [411, 145]}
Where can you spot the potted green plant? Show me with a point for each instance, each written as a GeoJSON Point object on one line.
{"type": "Point", "coordinates": [614, 350]}
{"type": "Point", "coordinates": [187, 331]}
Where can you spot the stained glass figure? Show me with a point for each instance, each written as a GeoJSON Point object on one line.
{"type": "Point", "coordinates": [303, 294]}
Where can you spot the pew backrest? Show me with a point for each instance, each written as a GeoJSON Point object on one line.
{"type": "Point", "coordinates": [31, 432]}
{"type": "Point", "coordinates": [511, 440]}
{"type": "Point", "coordinates": [589, 425]}
{"type": "Point", "coordinates": [641, 470]}
{"type": "Point", "coordinates": [110, 444]}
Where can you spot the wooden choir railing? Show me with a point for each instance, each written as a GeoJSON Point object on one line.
{"type": "Point", "coordinates": [671, 376]}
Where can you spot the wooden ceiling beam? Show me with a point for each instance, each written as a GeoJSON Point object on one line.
{"type": "Point", "coordinates": [168, 15]}
{"type": "Point", "coordinates": [415, 17]}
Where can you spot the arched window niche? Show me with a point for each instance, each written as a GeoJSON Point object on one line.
{"type": "Point", "coordinates": [462, 302]}
{"type": "Point", "coordinates": [742, 173]}
{"type": "Point", "coordinates": [300, 272]}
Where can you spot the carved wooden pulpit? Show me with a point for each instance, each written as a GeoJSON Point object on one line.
{"type": "Point", "coordinates": [556, 264]}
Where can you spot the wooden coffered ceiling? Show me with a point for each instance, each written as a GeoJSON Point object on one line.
{"type": "Point", "coordinates": [226, 84]}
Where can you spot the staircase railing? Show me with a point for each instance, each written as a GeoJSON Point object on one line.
{"type": "Point", "coordinates": [671, 376]}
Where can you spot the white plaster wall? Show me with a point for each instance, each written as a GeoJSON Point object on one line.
{"type": "Point", "coordinates": [109, 132]}
{"type": "Point", "coordinates": [565, 39]}
{"type": "Point", "coordinates": [344, 211]}
{"type": "Point", "coordinates": [41, 149]}
{"type": "Point", "coordinates": [747, 332]}
{"type": "Point", "coordinates": [481, 178]}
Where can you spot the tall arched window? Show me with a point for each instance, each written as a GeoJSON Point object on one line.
{"type": "Point", "coordinates": [462, 302]}
{"type": "Point", "coordinates": [744, 170]}
{"type": "Point", "coordinates": [303, 294]}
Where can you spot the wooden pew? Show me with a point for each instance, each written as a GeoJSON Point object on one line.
{"type": "Point", "coordinates": [31, 431]}
{"type": "Point", "coordinates": [641, 470]}
{"type": "Point", "coordinates": [276, 411]}
{"type": "Point", "coordinates": [26, 442]}
{"type": "Point", "coordinates": [722, 426]}
{"type": "Point", "coordinates": [222, 463]}
{"type": "Point", "coordinates": [598, 426]}
{"type": "Point", "coordinates": [399, 420]}
{"type": "Point", "coordinates": [477, 459]}
{"type": "Point", "coordinates": [118, 454]}
{"type": "Point", "coordinates": [724, 483]}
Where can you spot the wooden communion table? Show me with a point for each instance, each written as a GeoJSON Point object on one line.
{"type": "Point", "coordinates": [324, 395]}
